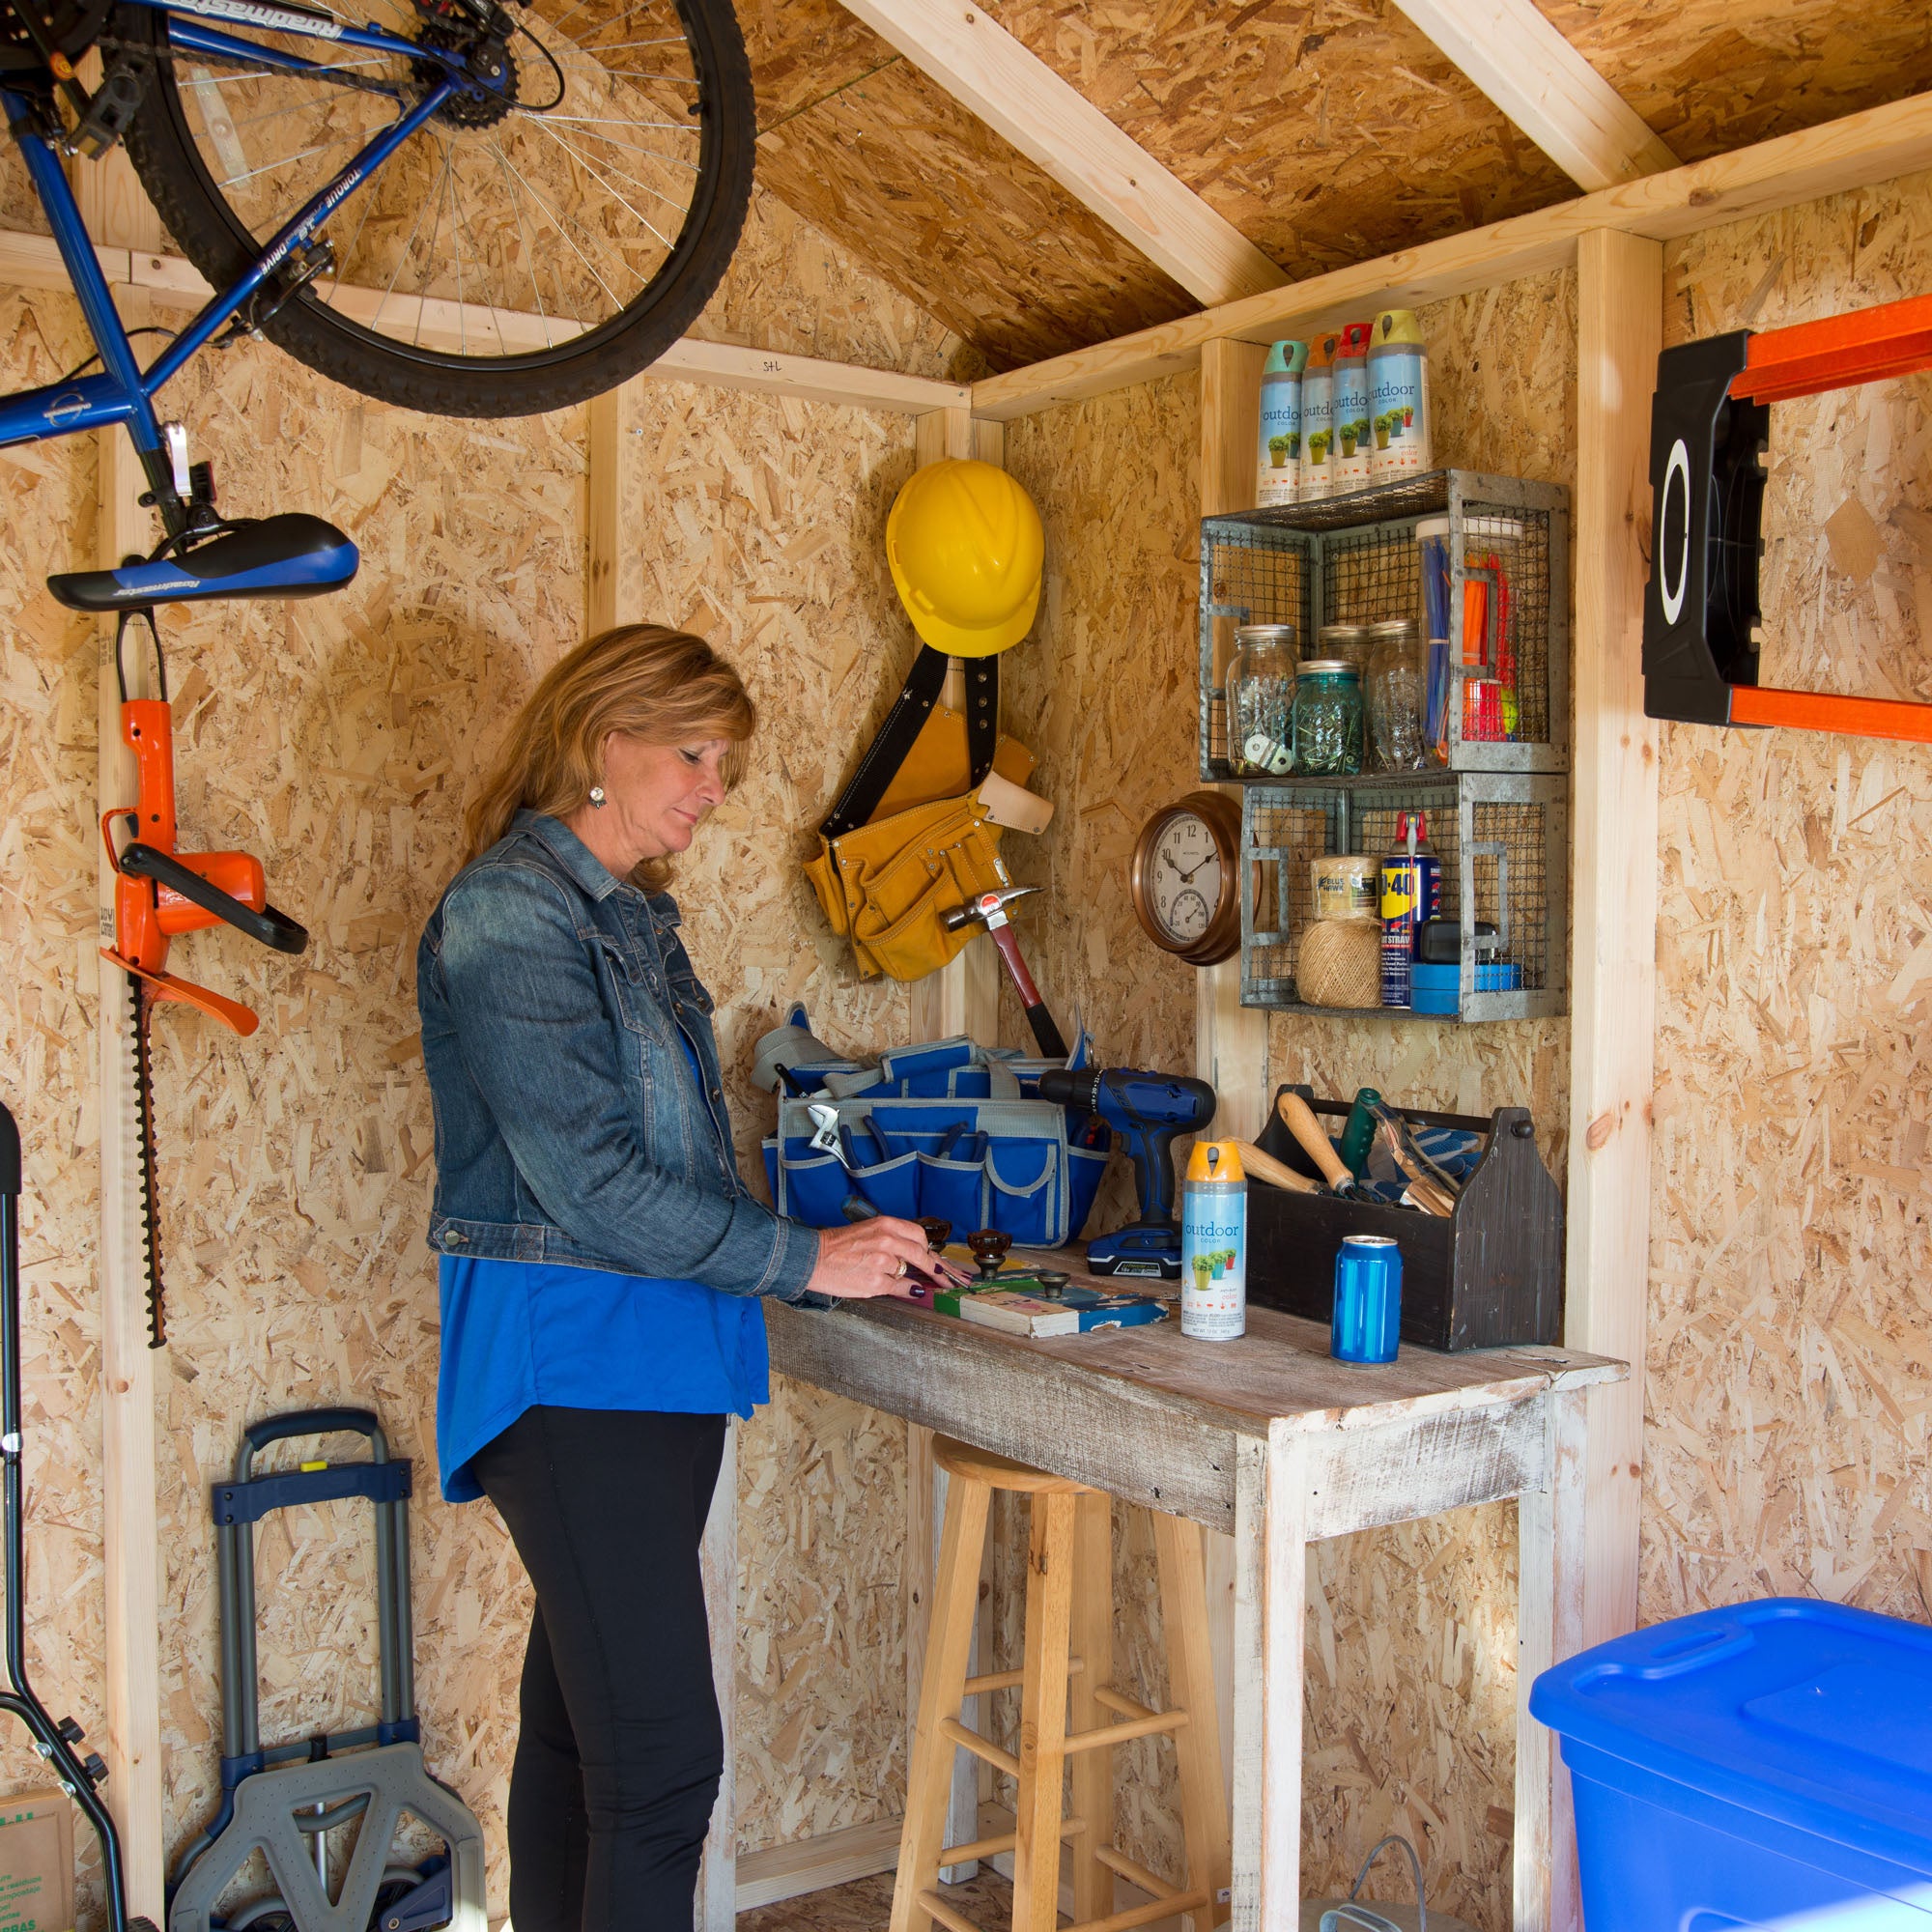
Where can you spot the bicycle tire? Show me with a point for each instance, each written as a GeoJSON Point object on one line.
{"type": "Point", "coordinates": [214, 235]}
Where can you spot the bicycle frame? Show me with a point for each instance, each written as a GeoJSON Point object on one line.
{"type": "Point", "coordinates": [123, 392]}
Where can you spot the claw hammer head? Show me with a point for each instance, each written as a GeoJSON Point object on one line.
{"type": "Point", "coordinates": [988, 909]}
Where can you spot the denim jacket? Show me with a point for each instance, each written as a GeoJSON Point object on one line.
{"type": "Point", "coordinates": [567, 1128]}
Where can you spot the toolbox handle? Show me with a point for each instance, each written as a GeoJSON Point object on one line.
{"type": "Point", "coordinates": [1474, 1123]}
{"type": "Point", "coordinates": [310, 1422]}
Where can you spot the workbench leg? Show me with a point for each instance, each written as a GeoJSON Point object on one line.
{"type": "Point", "coordinates": [1190, 1687]}
{"type": "Point", "coordinates": [1549, 1627]}
{"type": "Point", "coordinates": [716, 1905]}
{"type": "Point", "coordinates": [1270, 1624]}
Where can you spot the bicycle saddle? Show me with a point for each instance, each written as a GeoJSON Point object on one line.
{"type": "Point", "coordinates": [290, 555]}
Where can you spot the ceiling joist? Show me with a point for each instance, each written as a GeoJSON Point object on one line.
{"type": "Point", "coordinates": [1021, 98]}
{"type": "Point", "coordinates": [1545, 87]}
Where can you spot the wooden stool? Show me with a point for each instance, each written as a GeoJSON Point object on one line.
{"type": "Point", "coordinates": [1069, 1646]}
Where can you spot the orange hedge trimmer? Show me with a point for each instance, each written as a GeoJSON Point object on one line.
{"type": "Point", "coordinates": [1710, 427]}
{"type": "Point", "coordinates": [159, 893]}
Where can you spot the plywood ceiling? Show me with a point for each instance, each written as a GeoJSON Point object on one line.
{"type": "Point", "coordinates": [1327, 132]}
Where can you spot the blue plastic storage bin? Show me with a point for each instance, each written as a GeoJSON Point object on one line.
{"type": "Point", "coordinates": [1766, 1766]}
{"type": "Point", "coordinates": [1438, 989]}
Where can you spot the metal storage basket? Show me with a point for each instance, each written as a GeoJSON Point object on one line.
{"type": "Point", "coordinates": [1355, 558]}
{"type": "Point", "coordinates": [1503, 841]}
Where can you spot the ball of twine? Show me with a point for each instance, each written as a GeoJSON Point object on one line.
{"type": "Point", "coordinates": [1341, 963]}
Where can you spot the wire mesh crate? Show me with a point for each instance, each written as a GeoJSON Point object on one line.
{"type": "Point", "coordinates": [1355, 559]}
{"type": "Point", "coordinates": [1503, 841]}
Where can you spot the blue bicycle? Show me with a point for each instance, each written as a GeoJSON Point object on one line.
{"type": "Point", "coordinates": [481, 208]}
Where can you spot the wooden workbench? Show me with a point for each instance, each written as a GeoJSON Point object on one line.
{"type": "Point", "coordinates": [1271, 1441]}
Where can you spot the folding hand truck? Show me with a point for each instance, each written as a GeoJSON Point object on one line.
{"type": "Point", "coordinates": [1710, 427]}
{"type": "Point", "coordinates": [285, 1800]}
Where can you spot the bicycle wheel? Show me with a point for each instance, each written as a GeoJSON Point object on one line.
{"type": "Point", "coordinates": [528, 247]}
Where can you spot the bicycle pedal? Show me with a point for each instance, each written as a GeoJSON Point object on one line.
{"type": "Point", "coordinates": [115, 104]}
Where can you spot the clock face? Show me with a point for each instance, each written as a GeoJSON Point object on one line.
{"type": "Point", "coordinates": [1186, 877]}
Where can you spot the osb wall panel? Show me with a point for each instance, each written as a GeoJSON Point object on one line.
{"type": "Point", "coordinates": [1789, 1377]}
{"type": "Point", "coordinates": [1411, 1637]}
{"type": "Point", "coordinates": [791, 288]}
{"type": "Point", "coordinates": [762, 524]}
{"type": "Point", "coordinates": [46, 1029]}
{"type": "Point", "coordinates": [1412, 1724]}
{"type": "Point", "coordinates": [1103, 692]}
{"type": "Point", "coordinates": [336, 739]}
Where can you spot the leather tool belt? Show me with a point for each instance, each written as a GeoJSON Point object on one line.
{"type": "Point", "coordinates": [909, 839]}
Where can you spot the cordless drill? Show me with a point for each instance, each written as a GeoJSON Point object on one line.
{"type": "Point", "coordinates": [1148, 1110]}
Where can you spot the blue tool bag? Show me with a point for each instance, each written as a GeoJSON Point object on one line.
{"type": "Point", "coordinates": [946, 1128]}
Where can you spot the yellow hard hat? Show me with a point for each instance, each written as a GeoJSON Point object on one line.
{"type": "Point", "coordinates": [966, 549]}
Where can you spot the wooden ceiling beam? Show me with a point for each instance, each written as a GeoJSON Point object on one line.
{"type": "Point", "coordinates": [1878, 144]}
{"type": "Point", "coordinates": [1545, 87]}
{"type": "Point", "coordinates": [29, 260]}
{"type": "Point", "coordinates": [1005, 84]}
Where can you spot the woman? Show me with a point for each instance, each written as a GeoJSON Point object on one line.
{"type": "Point", "coordinates": [601, 1257]}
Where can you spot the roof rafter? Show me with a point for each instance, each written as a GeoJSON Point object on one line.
{"type": "Point", "coordinates": [1008, 86]}
{"type": "Point", "coordinates": [1545, 87]}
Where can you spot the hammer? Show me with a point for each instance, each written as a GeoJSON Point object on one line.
{"type": "Point", "coordinates": [989, 909]}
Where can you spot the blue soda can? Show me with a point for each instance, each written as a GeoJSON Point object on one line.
{"type": "Point", "coordinates": [1368, 1299]}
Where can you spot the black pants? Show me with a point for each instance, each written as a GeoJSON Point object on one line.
{"type": "Point", "coordinates": [620, 1748]}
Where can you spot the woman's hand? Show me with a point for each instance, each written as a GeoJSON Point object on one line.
{"type": "Point", "coordinates": [875, 1257]}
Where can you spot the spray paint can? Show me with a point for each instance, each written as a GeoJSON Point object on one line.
{"type": "Point", "coordinates": [1353, 435]}
{"type": "Point", "coordinates": [1280, 477]}
{"type": "Point", "coordinates": [1317, 420]}
{"type": "Point", "coordinates": [1214, 1244]}
{"type": "Point", "coordinates": [1411, 893]}
{"type": "Point", "coordinates": [1398, 397]}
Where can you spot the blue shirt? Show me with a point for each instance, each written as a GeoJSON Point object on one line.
{"type": "Point", "coordinates": [517, 1334]}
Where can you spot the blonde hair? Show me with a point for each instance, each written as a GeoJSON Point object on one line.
{"type": "Point", "coordinates": [659, 686]}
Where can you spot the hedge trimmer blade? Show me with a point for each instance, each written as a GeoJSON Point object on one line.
{"type": "Point", "coordinates": [140, 1004]}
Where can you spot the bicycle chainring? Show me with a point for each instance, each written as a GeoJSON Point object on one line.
{"type": "Point", "coordinates": [486, 59]}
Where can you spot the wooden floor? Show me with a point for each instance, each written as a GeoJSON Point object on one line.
{"type": "Point", "coordinates": [867, 1904]}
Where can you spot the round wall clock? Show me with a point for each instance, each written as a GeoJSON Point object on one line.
{"type": "Point", "coordinates": [1187, 883]}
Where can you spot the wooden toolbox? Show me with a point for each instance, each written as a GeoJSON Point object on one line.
{"type": "Point", "coordinates": [1489, 1276]}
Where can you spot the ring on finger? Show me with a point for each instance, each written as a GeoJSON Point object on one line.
{"type": "Point", "coordinates": [900, 1270]}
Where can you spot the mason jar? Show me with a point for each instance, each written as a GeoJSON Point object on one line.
{"type": "Point", "coordinates": [1329, 718]}
{"type": "Point", "coordinates": [1260, 701]}
{"type": "Point", "coordinates": [1395, 697]}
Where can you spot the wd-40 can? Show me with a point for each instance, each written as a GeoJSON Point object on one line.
{"type": "Point", "coordinates": [1214, 1244]}
{"type": "Point", "coordinates": [1411, 893]}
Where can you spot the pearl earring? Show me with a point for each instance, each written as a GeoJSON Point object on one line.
{"type": "Point", "coordinates": [597, 796]}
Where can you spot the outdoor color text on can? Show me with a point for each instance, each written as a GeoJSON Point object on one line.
{"type": "Point", "coordinates": [1214, 1244]}
{"type": "Point", "coordinates": [1399, 426]}
{"type": "Point", "coordinates": [1280, 473]}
